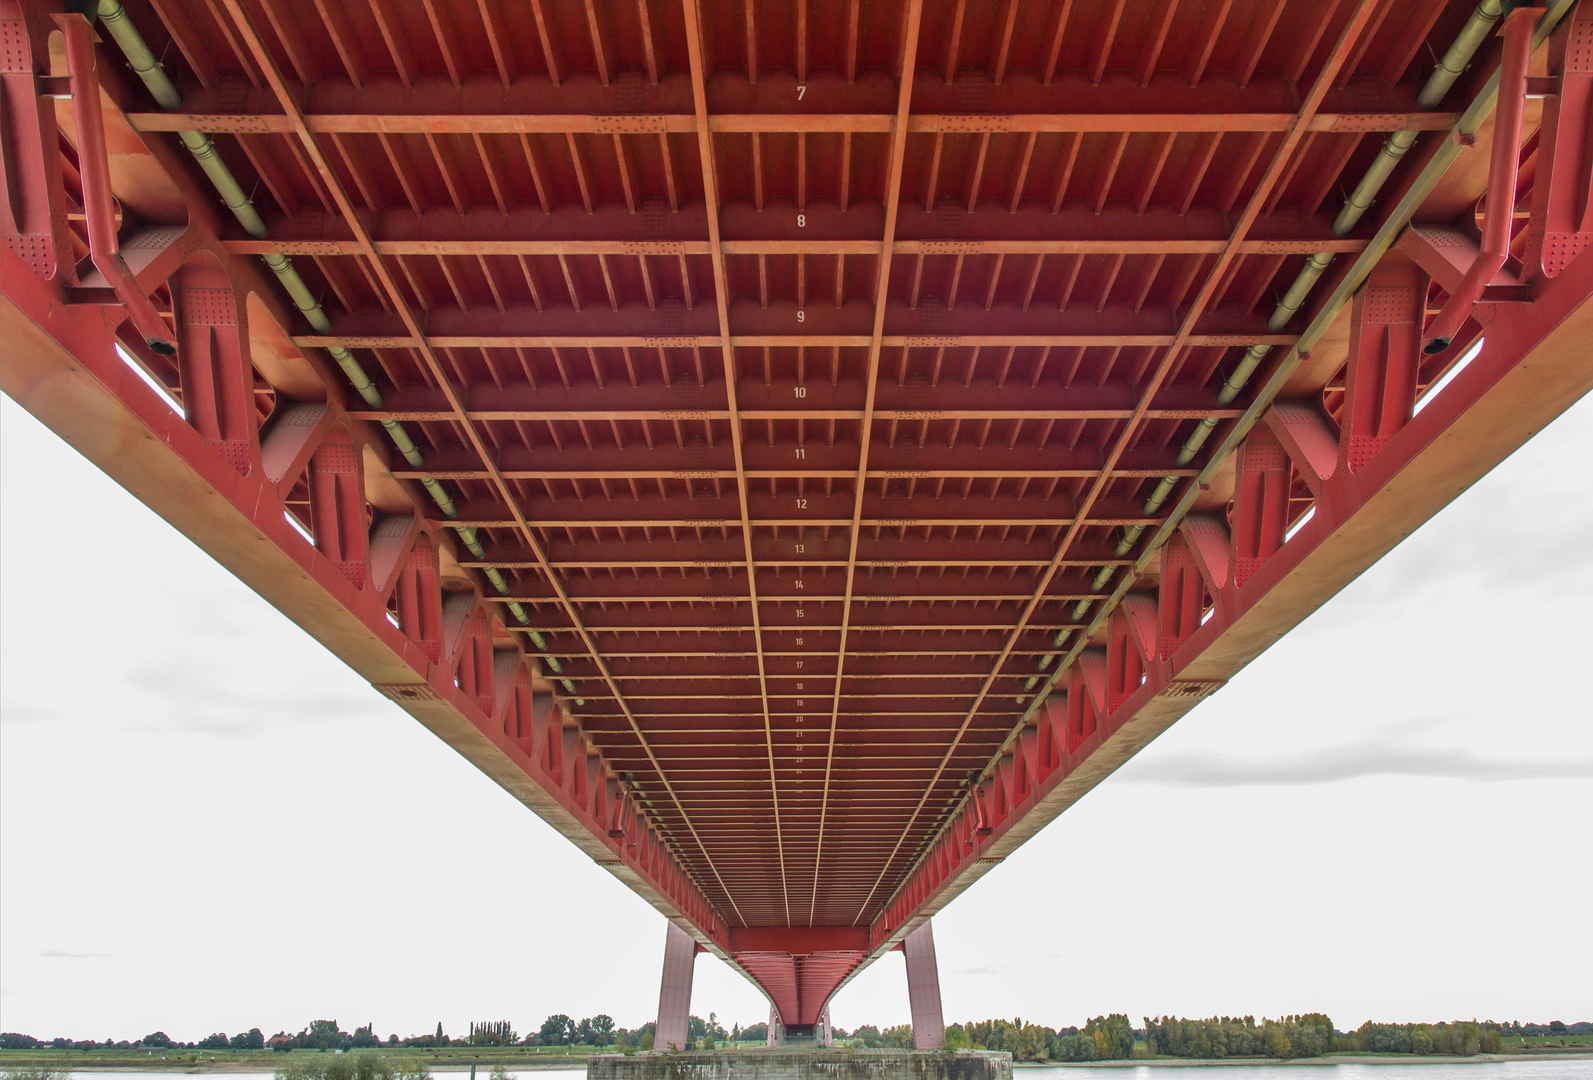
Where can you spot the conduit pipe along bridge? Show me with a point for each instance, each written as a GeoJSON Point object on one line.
{"type": "Point", "coordinates": [798, 448]}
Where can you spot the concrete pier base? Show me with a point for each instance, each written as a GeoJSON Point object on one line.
{"type": "Point", "coordinates": [785, 1063]}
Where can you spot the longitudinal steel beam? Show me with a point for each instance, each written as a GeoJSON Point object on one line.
{"type": "Point", "coordinates": [1485, 414]}
{"type": "Point", "coordinates": [1439, 158]}
{"type": "Point", "coordinates": [60, 362]}
{"type": "Point", "coordinates": [400, 302]}
{"type": "Point", "coordinates": [1296, 130]}
{"type": "Point", "coordinates": [1533, 366]}
{"type": "Point", "coordinates": [893, 186]}
{"type": "Point", "coordinates": [699, 90]}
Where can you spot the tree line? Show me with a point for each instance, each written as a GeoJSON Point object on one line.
{"type": "Point", "coordinates": [1310, 1035]}
{"type": "Point", "coordinates": [600, 1032]}
{"type": "Point", "coordinates": [1103, 1038]}
{"type": "Point", "coordinates": [1114, 1038]}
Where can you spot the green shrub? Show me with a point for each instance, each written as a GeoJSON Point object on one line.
{"type": "Point", "coordinates": [361, 1065]}
{"type": "Point", "coordinates": [36, 1072]}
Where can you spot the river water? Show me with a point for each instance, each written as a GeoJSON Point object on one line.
{"type": "Point", "coordinates": [1404, 1070]}
{"type": "Point", "coordinates": [1465, 1070]}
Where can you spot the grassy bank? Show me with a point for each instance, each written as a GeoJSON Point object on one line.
{"type": "Point", "coordinates": [438, 1058]}
{"type": "Point", "coordinates": [441, 1058]}
{"type": "Point", "coordinates": [461, 1058]}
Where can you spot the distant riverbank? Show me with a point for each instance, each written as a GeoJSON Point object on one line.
{"type": "Point", "coordinates": [156, 1069]}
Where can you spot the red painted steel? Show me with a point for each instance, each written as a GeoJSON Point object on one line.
{"type": "Point", "coordinates": [1502, 174]}
{"type": "Point", "coordinates": [923, 989]}
{"type": "Point", "coordinates": [785, 385]}
{"type": "Point", "coordinates": [98, 211]}
{"type": "Point", "coordinates": [673, 1031]}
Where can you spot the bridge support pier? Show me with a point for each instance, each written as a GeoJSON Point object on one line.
{"type": "Point", "coordinates": [674, 994]}
{"type": "Point", "coordinates": [923, 989]}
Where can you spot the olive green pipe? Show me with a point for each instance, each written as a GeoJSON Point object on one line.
{"type": "Point", "coordinates": [1461, 50]}
{"type": "Point", "coordinates": [1464, 47]}
{"type": "Point", "coordinates": [1450, 68]}
{"type": "Point", "coordinates": [113, 16]}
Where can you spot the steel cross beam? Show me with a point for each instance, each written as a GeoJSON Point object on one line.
{"type": "Point", "coordinates": [767, 123]}
{"type": "Point", "coordinates": [251, 37]}
{"type": "Point", "coordinates": [618, 473]}
{"type": "Point", "coordinates": [1107, 339]}
{"type": "Point", "coordinates": [813, 414]}
{"type": "Point", "coordinates": [1292, 136]}
{"type": "Point", "coordinates": [816, 246]}
{"type": "Point", "coordinates": [893, 192]}
{"type": "Point", "coordinates": [699, 91]}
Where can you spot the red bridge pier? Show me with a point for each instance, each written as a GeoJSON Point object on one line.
{"type": "Point", "coordinates": [680, 958]}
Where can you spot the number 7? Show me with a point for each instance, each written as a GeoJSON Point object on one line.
{"type": "Point", "coordinates": [801, 89]}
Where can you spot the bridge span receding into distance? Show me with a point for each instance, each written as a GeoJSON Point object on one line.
{"type": "Point", "coordinates": [797, 448]}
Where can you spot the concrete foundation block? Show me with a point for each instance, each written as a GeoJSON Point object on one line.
{"type": "Point", "coordinates": [785, 1063]}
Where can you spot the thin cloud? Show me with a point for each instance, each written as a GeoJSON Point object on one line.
{"type": "Point", "coordinates": [1349, 763]}
{"type": "Point", "coordinates": [62, 954]}
{"type": "Point", "coordinates": [978, 971]}
{"type": "Point", "coordinates": [26, 712]}
{"type": "Point", "coordinates": [209, 706]}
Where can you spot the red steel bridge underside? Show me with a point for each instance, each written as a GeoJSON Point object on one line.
{"type": "Point", "coordinates": [819, 466]}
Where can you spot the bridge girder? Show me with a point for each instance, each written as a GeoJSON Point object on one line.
{"type": "Point", "coordinates": [806, 489]}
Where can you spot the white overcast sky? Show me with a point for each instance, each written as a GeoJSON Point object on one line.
{"type": "Point", "coordinates": [209, 823]}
